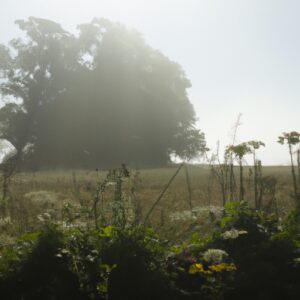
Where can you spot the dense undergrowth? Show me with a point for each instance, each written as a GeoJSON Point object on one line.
{"type": "Point", "coordinates": [249, 255]}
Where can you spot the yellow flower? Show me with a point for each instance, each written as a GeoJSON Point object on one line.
{"type": "Point", "coordinates": [222, 267]}
{"type": "Point", "coordinates": [216, 268]}
{"type": "Point", "coordinates": [196, 268]}
{"type": "Point", "coordinates": [231, 267]}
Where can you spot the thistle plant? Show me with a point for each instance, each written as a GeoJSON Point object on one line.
{"type": "Point", "coordinates": [121, 209]}
{"type": "Point", "coordinates": [221, 171]}
{"type": "Point", "coordinates": [240, 151]}
{"type": "Point", "coordinates": [255, 145]}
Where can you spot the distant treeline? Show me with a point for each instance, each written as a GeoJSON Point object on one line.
{"type": "Point", "coordinates": [97, 98]}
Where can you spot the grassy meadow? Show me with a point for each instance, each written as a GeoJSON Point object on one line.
{"type": "Point", "coordinates": [195, 187]}
{"type": "Point", "coordinates": [148, 234]}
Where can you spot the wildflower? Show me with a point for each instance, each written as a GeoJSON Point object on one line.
{"type": "Point", "coordinates": [5, 221]}
{"type": "Point", "coordinates": [204, 213]}
{"type": "Point", "coordinates": [196, 268]}
{"type": "Point", "coordinates": [222, 267]}
{"type": "Point", "coordinates": [44, 217]}
{"type": "Point", "coordinates": [43, 198]}
{"type": "Point", "coordinates": [233, 234]}
{"type": "Point", "coordinates": [214, 255]}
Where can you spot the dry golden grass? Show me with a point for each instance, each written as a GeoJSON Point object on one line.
{"type": "Point", "coordinates": [66, 186]}
{"type": "Point", "coordinates": [149, 183]}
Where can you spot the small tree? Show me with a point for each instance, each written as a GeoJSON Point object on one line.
{"type": "Point", "coordinates": [292, 139]}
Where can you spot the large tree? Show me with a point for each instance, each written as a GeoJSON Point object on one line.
{"type": "Point", "coordinates": [97, 98]}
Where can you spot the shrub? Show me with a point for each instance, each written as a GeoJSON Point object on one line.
{"type": "Point", "coordinates": [250, 256]}
{"type": "Point", "coordinates": [30, 269]}
{"type": "Point", "coordinates": [262, 251]}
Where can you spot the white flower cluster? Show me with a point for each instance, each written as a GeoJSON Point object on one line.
{"type": "Point", "coordinates": [44, 198]}
{"type": "Point", "coordinates": [5, 221]}
{"type": "Point", "coordinates": [44, 217]}
{"type": "Point", "coordinates": [76, 224]}
{"type": "Point", "coordinates": [214, 255]}
{"type": "Point", "coordinates": [233, 234]}
{"type": "Point", "coordinates": [198, 213]}
{"type": "Point", "coordinates": [6, 239]}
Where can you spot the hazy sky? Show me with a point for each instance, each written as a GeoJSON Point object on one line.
{"type": "Point", "coordinates": [242, 56]}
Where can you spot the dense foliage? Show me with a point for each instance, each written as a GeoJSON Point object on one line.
{"type": "Point", "coordinates": [250, 255]}
{"type": "Point", "coordinates": [99, 98]}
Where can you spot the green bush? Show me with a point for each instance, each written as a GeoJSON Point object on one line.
{"type": "Point", "coordinates": [77, 264]}
{"type": "Point", "coordinates": [31, 270]}
{"type": "Point", "coordinates": [263, 252]}
{"type": "Point", "coordinates": [250, 256]}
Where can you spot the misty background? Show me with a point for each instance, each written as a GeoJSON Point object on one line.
{"type": "Point", "coordinates": [241, 56]}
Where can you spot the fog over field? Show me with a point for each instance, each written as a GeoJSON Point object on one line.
{"type": "Point", "coordinates": [150, 149]}
{"type": "Point", "coordinates": [241, 56]}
